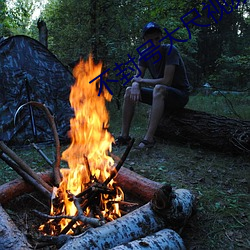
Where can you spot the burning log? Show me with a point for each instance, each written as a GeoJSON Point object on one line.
{"type": "Point", "coordinates": [163, 239]}
{"type": "Point", "coordinates": [10, 237]}
{"type": "Point", "coordinates": [216, 132]}
{"type": "Point", "coordinates": [165, 210]}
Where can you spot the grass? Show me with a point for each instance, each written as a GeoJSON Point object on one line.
{"type": "Point", "coordinates": [219, 180]}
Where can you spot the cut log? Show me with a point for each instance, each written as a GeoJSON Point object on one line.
{"type": "Point", "coordinates": [131, 182]}
{"type": "Point", "coordinates": [212, 131]}
{"type": "Point", "coordinates": [163, 239]}
{"type": "Point", "coordinates": [140, 187]}
{"type": "Point", "coordinates": [150, 218]}
{"type": "Point", "coordinates": [18, 187]}
{"type": "Point", "coordinates": [10, 237]}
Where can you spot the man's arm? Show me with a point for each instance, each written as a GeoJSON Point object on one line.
{"type": "Point", "coordinates": [135, 93]}
{"type": "Point", "coordinates": [166, 80]}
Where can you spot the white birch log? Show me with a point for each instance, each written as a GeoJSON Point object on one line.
{"type": "Point", "coordinates": [10, 237]}
{"type": "Point", "coordinates": [162, 240]}
{"type": "Point", "coordinates": [150, 218]}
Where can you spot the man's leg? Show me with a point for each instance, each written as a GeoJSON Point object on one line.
{"type": "Point", "coordinates": [128, 110]}
{"type": "Point", "coordinates": [157, 111]}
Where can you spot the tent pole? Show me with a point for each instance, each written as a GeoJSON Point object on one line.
{"type": "Point", "coordinates": [33, 125]}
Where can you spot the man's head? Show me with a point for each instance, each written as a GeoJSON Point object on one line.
{"type": "Point", "coordinates": [152, 31]}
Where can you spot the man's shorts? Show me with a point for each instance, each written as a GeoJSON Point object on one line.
{"type": "Point", "coordinates": [174, 100]}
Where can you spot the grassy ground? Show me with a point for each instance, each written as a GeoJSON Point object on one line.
{"type": "Point", "coordinates": [219, 180]}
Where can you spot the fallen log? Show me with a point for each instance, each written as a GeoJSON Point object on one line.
{"type": "Point", "coordinates": [148, 219]}
{"type": "Point", "coordinates": [163, 239]}
{"type": "Point", "coordinates": [10, 237]}
{"type": "Point", "coordinates": [212, 131]}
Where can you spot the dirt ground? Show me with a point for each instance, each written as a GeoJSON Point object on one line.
{"type": "Point", "coordinates": [220, 182]}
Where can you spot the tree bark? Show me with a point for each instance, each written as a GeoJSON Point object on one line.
{"type": "Point", "coordinates": [136, 185]}
{"type": "Point", "coordinates": [212, 131]}
{"type": "Point", "coordinates": [18, 187]}
{"type": "Point", "coordinates": [10, 237]}
{"type": "Point", "coordinates": [131, 182]}
{"type": "Point", "coordinates": [163, 239]}
{"type": "Point", "coordinates": [167, 209]}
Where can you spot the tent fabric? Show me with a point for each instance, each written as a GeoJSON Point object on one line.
{"type": "Point", "coordinates": [29, 71]}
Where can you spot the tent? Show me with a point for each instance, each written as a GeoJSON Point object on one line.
{"type": "Point", "coordinates": [30, 72]}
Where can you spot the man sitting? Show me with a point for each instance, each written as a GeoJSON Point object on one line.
{"type": "Point", "coordinates": [168, 89]}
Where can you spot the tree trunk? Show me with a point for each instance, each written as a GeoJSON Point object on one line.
{"type": "Point", "coordinates": [212, 131]}
{"type": "Point", "coordinates": [10, 237]}
{"type": "Point", "coordinates": [43, 32]}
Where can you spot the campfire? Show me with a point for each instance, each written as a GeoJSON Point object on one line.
{"type": "Point", "coordinates": [87, 198]}
{"type": "Point", "coordinates": [87, 188]}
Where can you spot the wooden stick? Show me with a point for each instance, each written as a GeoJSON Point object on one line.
{"type": "Point", "coordinates": [23, 165]}
{"type": "Point", "coordinates": [26, 176]}
{"type": "Point", "coordinates": [120, 163]}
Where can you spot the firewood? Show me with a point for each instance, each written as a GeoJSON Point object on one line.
{"type": "Point", "coordinates": [150, 218]}
{"type": "Point", "coordinates": [10, 237]}
{"type": "Point", "coordinates": [132, 183]}
{"type": "Point", "coordinates": [18, 187]}
{"type": "Point", "coordinates": [136, 185]}
{"type": "Point", "coordinates": [26, 176]}
{"type": "Point", "coordinates": [11, 154]}
{"type": "Point", "coordinates": [163, 239]}
{"type": "Point", "coordinates": [208, 130]}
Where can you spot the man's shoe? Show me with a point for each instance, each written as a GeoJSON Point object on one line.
{"type": "Point", "coordinates": [121, 141]}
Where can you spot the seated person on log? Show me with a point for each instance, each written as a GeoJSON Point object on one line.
{"type": "Point", "coordinates": [168, 90]}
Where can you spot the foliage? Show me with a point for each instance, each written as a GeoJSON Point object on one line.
{"type": "Point", "coordinates": [112, 29]}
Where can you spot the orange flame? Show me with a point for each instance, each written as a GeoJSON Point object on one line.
{"type": "Point", "coordinates": [90, 138]}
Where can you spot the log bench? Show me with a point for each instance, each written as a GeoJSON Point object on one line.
{"type": "Point", "coordinates": [211, 131]}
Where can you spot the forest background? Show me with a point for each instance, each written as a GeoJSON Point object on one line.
{"type": "Point", "coordinates": [218, 54]}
